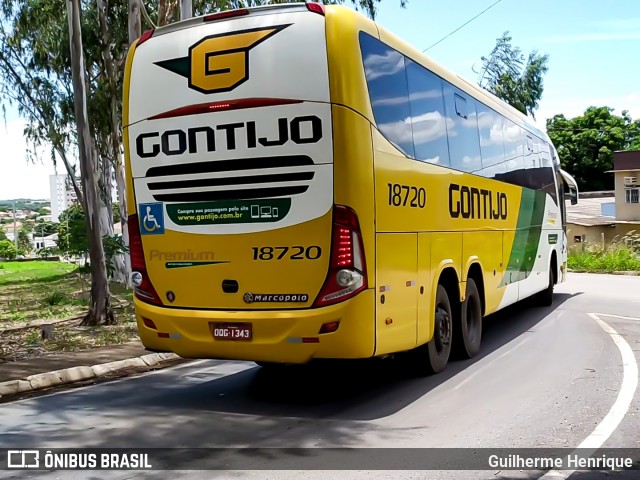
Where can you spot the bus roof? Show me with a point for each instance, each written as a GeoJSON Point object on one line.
{"type": "Point", "coordinates": [479, 93]}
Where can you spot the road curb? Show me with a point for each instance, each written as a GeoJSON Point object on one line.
{"type": "Point", "coordinates": [80, 373]}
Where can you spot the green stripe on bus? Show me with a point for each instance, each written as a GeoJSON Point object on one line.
{"type": "Point", "coordinates": [527, 237]}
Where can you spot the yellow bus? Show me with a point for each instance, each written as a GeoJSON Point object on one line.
{"type": "Point", "coordinates": [302, 184]}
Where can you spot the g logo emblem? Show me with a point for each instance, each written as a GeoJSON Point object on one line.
{"type": "Point", "coordinates": [219, 63]}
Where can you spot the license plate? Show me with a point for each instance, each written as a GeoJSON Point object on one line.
{"type": "Point", "coordinates": [231, 331]}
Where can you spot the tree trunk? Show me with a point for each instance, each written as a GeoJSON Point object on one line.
{"type": "Point", "coordinates": [168, 11]}
{"type": "Point", "coordinates": [100, 310]}
{"type": "Point", "coordinates": [135, 22]}
{"type": "Point", "coordinates": [186, 9]}
{"type": "Point", "coordinates": [122, 263]}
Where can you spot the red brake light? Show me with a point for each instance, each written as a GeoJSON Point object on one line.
{"type": "Point", "coordinates": [144, 290]}
{"type": "Point", "coordinates": [228, 105]}
{"type": "Point", "coordinates": [145, 36]}
{"type": "Point", "coordinates": [315, 7]}
{"type": "Point", "coordinates": [347, 269]}
{"type": "Point", "coordinates": [227, 14]}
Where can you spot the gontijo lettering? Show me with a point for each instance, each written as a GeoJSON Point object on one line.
{"type": "Point", "coordinates": [472, 202]}
{"type": "Point", "coordinates": [226, 136]}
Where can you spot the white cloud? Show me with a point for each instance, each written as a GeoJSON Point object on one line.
{"type": "Point", "coordinates": [429, 127]}
{"type": "Point", "coordinates": [18, 178]}
{"type": "Point", "coordinates": [383, 65]}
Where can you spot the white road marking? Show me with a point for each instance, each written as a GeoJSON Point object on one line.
{"type": "Point", "coordinates": [617, 316]}
{"type": "Point", "coordinates": [619, 408]}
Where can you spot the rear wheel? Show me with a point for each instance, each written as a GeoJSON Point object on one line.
{"type": "Point", "coordinates": [545, 297]}
{"type": "Point", "coordinates": [468, 332]}
{"type": "Point", "coordinates": [434, 356]}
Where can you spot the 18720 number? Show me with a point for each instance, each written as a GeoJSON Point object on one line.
{"type": "Point", "coordinates": [287, 253]}
{"type": "Point", "coordinates": [406, 195]}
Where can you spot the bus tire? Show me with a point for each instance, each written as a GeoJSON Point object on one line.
{"type": "Point", "coordinates": [433, 356]}
{"type": "Point", "coordinates": [468, 332]}
{"type": "Point", "coordinates": [545, 297]}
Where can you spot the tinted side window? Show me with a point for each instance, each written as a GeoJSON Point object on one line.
{"type": "Point", "coordinates": [513, 145]}
{"type": "Point", "coordinates": [388, 92]}
{"type": "Point", "coordinates": [427, 115]}
{"type": "Point", "coordinates": [491, 141]}
{"type": "Point", "coordinates": [547, 174]}
{"type": "Point", "coordinates": [464, 143]}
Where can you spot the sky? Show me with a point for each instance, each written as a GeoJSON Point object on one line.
{"type": "Point", "coordinates": [593, 48]}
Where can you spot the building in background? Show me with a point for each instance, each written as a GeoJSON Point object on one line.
{"type": "Point", "coordinates": [600, 217]}
{"type": "Point", "coordinates": [62, 195]}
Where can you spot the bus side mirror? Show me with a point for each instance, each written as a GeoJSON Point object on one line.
{"type": "Point", "coordinates": [573, 195]}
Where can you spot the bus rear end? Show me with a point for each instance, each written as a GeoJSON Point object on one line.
{"type": "Point", "coordinates": [237, 248]}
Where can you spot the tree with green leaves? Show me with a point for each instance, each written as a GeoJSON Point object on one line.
{"type": "Point", "coordinates": [516, 79]}
{"type": "Point", "coordinates": [586, 144]}
{"type": "Point", "coordinates": [72, 232]}
{"type": "Point", "coordinates": [168, 11]}
{"type": "Point", "coordinates": [24, 241]}
{"type": "Point", "coordinates": [44, 229]}
{"type": "Point", "coordinates": [8, 250]}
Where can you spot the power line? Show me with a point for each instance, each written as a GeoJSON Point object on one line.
{"type": "Point", "coordinates": [463, 25]}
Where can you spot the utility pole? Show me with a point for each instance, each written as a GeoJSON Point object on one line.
{"type": "Point", "coordinates": [186, 9]}
{"type": "Point", "coordinates": [15, 228]}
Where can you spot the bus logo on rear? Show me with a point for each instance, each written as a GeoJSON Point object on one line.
{"type": "Point", "coordinates": [219, 63]}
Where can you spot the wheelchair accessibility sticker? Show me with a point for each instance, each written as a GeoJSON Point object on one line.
{"type": "Point", "coordinates": [151, 218]}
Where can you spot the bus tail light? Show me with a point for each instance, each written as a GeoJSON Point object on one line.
{"type": "Point", "coordinates": [139, 277]}
{"type": "Point", "coordinates": [347, 270]}
{"type": "Point", "coordinates": [315, 7]}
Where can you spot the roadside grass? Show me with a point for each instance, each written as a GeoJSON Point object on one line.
{"type": "Point", "coordinates": [614, 257]}
{"type": "Point", "coordinates": [41, 290]}
{"type": "Point", "coordinates": [14, 273]}
{"type": "Point", "coordinates": [54, 290]}
{"type": "Point", "coordinates": [67, 338]}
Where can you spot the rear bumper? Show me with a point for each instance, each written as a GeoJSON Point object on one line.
{"type": "Point", "coordinates": [277, 334]}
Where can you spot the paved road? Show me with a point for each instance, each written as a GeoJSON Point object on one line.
{"type": "Point", "coordinates": [547, 377]}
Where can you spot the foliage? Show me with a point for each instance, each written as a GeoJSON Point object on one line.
{"type": "Point", "coordinates": [48, 252]}
{"type": "Point", "coordinates": [72, 238]}
{"type": "Point", "coordinates": [116, 213]}
{"type": "Point", "coordinates": [167, 11]}
{"type": "Point", "coordinates": [24, 242]}
{"type": "Point", "coordinates": [619, 255]}
{"type": "Point", "coordinates": [21, 203]}
{"type": "Point", "coordinates": [113, 245]}
{"type": "Point", "coordinates": [8, 250]}
{"type": "Point", "coordinates": [586, 144]}
{"type": "Point", "coordinates": [621, 259]}
{"type": "Point", "coordinates": [514, 78]}
{"type": "Point", "coordinates": [3, 236]}
{"type": "Point", "coordinates": [72, 232]}
{"type": "Point", "coordinates": [44, 229]}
